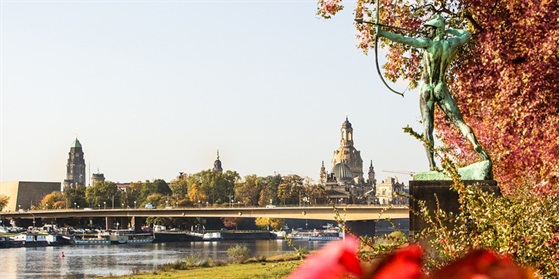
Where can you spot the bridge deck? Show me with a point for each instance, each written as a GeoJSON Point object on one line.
{"type": "Point", "coordinates": [348, 212]}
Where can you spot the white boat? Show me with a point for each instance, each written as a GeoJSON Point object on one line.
{"type": "Point", "coordinates": [130, 237]}
{"type": "Point", "coordinates": [212, 236]}
{"type": "Point", "coordinates": [328, 233]}
{"type": "Point", "coordinates": [31, 239]}
{"type": "Point", "coordinates": [102, 238]}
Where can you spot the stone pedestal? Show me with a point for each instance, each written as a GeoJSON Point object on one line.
{"type": "Point", "coordinates": [448, 198]}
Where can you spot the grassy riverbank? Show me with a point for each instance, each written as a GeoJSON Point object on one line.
{"type": "Point", "coordinates": [271, 268]}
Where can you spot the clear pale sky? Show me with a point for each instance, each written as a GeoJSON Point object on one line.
{"type": "Point", "coordinates": [154, 88]}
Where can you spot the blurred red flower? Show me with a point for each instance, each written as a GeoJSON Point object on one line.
{"type": "Point", "coordinates": [335, 260]}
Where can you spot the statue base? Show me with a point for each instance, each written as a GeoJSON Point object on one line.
{"type": "Point", "coordinates": [426, 190]}
{"type": "Point", "coordinates": [477, 171]}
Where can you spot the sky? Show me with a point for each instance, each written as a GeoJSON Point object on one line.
{"type": "Point", "coordinates": [154, 88]}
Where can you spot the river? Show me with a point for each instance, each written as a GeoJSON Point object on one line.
{"type": "Point", "coordinates": [89, 261]}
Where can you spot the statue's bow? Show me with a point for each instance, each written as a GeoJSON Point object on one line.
{"type": "Point", "coordinates": [378, 24]}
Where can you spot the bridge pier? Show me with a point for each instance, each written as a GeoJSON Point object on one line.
{"type": "Point", "coordinates": [361, 227]}
{"type": "Point", "coordinates": [109, 223]}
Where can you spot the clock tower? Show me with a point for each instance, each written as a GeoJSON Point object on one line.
{"type": "Point", "coordinates": [75, 169]}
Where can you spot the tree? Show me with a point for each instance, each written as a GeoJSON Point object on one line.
{"type": "Point", "coordinates": [75, 196]}
{"type": "Point", "coordinates": [196, 194]}
{"type": "Point", "coordinates": [291, 189]}
{"type": "Point", "coordinates": [269, 192]}
{"type": "Point", "coordinates": [231, 222]}
{"type": "Point", "coordinates": [103, 193]}
{"type": "Point", "coordinates": [133, 194]}
{"type": "Point", "coordinates": [54, 200]}
{"type": "Point", "coordinates": [3, 201]}
{"type": "Point", "coordinates": [247, 192]}
{"type": "Point", "coordinates": [266, 223]}
{"type": "Point", "coordinates": [505, 81]}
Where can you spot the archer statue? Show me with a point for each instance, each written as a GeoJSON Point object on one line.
{"type": "Point", "coordinates": [439, 51]}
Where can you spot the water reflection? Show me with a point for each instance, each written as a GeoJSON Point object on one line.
{"type": "Point", "coordinates": [104, 260]}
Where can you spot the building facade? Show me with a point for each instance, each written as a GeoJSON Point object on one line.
{"type": "Point", "coordinates": [345, 182]}
{"type": "Point", "coordinates": [25, 195]}
{"type": "Point", "coordinates": [75, 168]}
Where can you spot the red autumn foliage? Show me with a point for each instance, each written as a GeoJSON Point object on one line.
{"type": "Point", "coordinates": [505, 81]}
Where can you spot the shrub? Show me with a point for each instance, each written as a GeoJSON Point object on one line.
{"type": "Point", "coordinates": [238, 253]}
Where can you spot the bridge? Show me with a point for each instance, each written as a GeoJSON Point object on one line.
{"type": "Point", "coordinates": [360, 219]}
{"type": "Point", "coordinates": [346, 212]}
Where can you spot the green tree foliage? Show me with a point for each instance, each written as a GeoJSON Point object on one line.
{"type": "Point", "coordinates": [269, 190]}
{"type": "Point", "coordinates": [216, 186]}
{"type": "Point", "coordinates": [179, 186]}
{"type": "Point", "coordinates": [75, 195]}
{"type": "Point", "coordinates": [505, 81]}
{"type": "Point", "coordinates": [291, 189]}
{"type": "Point", "coordinates": [157, 199]}
{"type": "Point", "coordinates": [266, 223]}
{"type": "Point", "coordinates": [103, 192]}
{"type": "Point", "coordinates": [162, 187]}
{"type": "Point", "coordinates": [133, 194]}
{"type": "Point", "coordinates": [54, 200]}
{"type": "Point", "coordinates": [3, 201]}
{"type": "Point", "coordinates": [248, 191]}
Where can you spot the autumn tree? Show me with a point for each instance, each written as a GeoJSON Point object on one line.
{"type": "Point", "coordinates": [505, 81]}
{"type": "Point", "coordinates": [291, 190]}
{"type": "Point", "coordinates": [266, 223]}
{"type": "Point", "coordinates": [54, 200]}
{"type": "Point", "coordinates": [232, 222]}
{"type": "Point", "coordinates": [196, 194]}
{"type": "Point", "coordinates": [179, 186]}
{"type": "Point", "coordinates": [248, 191]}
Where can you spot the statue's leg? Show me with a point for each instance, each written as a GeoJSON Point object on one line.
{"type": "Point", "coordinates": [427, 104]}
{"type": "Point", "coordinates": [451, 110]}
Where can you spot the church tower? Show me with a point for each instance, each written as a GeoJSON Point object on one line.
{"type": "Point", "coordinates": [347, 154]}
{"type": "Point", "coordinates": [217, 164]}
{"type": "Point", "coordinates": [75, 168]}
{"type": "Point", "coordinates": [372, 179]}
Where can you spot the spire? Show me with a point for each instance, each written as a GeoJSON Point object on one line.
{"type": "Point", "coordinates": [76, 143]}
{"type": "Point", "coordinates": [218, 154]}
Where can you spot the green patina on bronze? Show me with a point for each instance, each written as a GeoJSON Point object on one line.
{"type": "Point", "coordinates": [439, 49]}
{"type": "Point", "coordinates": [478, 171]}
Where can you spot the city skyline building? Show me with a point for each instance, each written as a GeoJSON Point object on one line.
{"type": "Point", "coordinates": [75, 168]}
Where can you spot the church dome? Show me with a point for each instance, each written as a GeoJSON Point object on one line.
{"type": "Point", "coordinates": [342, 172]}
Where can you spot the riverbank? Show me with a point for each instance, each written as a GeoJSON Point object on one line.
{"type": "Point", "coordinates": [274, 267]}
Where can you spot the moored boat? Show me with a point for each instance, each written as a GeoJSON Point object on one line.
{"type": "Point", "coordinates": [130, 237]}
{"type": "Point", "coordinates": [31, 239]}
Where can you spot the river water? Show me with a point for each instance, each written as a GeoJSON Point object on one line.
{"type": "Point", "coordinates": [89, 261]}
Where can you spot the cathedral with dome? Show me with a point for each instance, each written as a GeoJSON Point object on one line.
{"type": "Point", "coordinates": [346, 182]}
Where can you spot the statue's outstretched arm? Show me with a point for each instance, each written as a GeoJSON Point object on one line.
{"type": "Point", "coordinates": [414, 42]}
{"type": "Point", "coordinates": [462, 36]}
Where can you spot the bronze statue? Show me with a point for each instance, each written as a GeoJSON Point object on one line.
{"type": "Point", "coordinates": [439, 51]}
